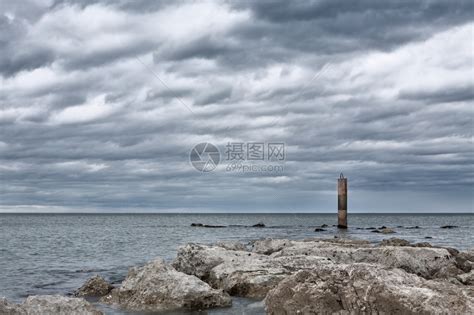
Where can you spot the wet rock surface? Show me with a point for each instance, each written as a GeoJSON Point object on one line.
{"type": "Point", "coordinates": [95, 286]}
{"type": "Point", "coordinates": [159, 287]}
{"type": "Point", "coordinates": [365, 288]}
{"type": "Point", "coordinates": [49, 304]}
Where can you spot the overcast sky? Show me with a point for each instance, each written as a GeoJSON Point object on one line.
{"type": "Point", "coordinates": [101, 103]}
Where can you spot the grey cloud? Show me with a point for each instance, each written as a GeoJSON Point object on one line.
{"type": "Point", "coordinates": [455, 94]}
{"type": "Point", "coordinates": [204, 47]}
{"type": "Point", "coordinates": [250, 83]}
{"type": "Point", "coordinates": [214, 96]}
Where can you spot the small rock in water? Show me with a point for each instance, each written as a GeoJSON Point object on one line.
{"type": "Point", "coordinates": [259, 224]}
{"type": "Point", "coordinates": [384, 230]}
{"type": "Point", "coordinates": [413, 227]}
{"type": "Point", "coordinates": [319, 230]}
{"type": "Point", "coordinates": [207, 225]}
{"type": "Point", "coordinates": [95, 286]}
{"type": "Point", "coordinates": [428, 237]}
{"type": "Point", "coordinates": [324, 225]}
{"type": "Point", "coordinates": [449, 226]}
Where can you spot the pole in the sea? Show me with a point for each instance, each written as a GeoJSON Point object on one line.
{"type": "Point", "coordinates": [342, 202]}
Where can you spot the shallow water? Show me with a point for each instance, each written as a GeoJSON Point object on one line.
{"type": "Point", "coordinates": [56, 253]}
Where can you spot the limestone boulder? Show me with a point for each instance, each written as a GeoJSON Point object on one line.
{"type": "Point", "coordinates": [157, 286]}
{"type": "Point", "coordinates": [366, 289]}
{"type": "Point", "coordinates": [95, 286]}
{"type": "Point", "coordinates": [423, 261]}
{"type": "Point", "coordinates": [49, 304]}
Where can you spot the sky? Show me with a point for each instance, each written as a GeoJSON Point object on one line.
{"type": "Point", "coordinates": [102, 102]}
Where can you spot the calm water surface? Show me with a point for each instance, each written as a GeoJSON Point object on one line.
{"type": "Point", "coordinates": [56, 253]}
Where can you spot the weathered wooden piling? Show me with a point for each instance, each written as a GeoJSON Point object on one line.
{"type": "Point", "coordinates": [342, 202]}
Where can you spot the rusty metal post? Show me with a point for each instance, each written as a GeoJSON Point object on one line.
{"type": "Point", "coordinates": [342, 202]}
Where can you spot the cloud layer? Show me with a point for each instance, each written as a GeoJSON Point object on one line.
{"type": "Point", "coordinates": [101, 103]}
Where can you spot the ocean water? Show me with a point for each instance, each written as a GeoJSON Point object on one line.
{"type": "Point", "coordinates": [56, 253]}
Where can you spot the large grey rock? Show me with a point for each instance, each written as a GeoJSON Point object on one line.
{"type": "Point", "coordinates": [253, 274]}
{"type": "Point", "coordinates": [424, 261]}
{"type": "Point", "coordinates": [159, 287]}
{"type": "Point", "coordinates": [465, 260]}
{"type": "Point", "coordinates": [366, 289]}
{"type": "Point", "coordinates": [240, 273]}
{"type": "Point", "coordinates": [466, 278]}
{"type": "Point", "coordinates": [8, 308]}
{"type": "Point", "coordinates": [95, 286]}
{"type": "Point", "coordinates": [49, 304]}
{"type": "Point", "coordinates": [269, 245]}
{"type": "Point", "coordinates": [232, 245]}
{"type": "Point", "coordinates": [394, 242]}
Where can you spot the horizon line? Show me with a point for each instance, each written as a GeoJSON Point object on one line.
{"type": "Point", "coordinates": [128, 213]}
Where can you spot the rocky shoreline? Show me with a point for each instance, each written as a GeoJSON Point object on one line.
{"type": "Point", "coordinates": [310, 276]}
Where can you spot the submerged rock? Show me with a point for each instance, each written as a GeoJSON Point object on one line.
{"type": "Point", "coordinates": [365, 288]}
{"type": "Point", "coordinates": [259, 224]}
{"type": "Point", "coordinates": [49, 304]}
{"type": "Point", "coordinates": [95, 286]}
{"type": "Point", "coordinates": [207, 225]}
{"type": "Point", "coordinates": [383, 230]}
{"type": "Point", "coordinates": [319, 230]}
{"type": "Point", "coordinates": [449, 226]}
{"type": "Point", "coordinates": [159, 287]}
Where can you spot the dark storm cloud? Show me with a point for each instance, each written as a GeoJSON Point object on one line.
{"type": "Point", "coordinates": [14, 57]}
{"type": "Point", "coordinates": [102, 101]}
{"type": "Point", "coordinates": [454, 94]}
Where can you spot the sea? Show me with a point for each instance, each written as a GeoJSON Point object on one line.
{"type": "Point", "coordinates": [56, 253]}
